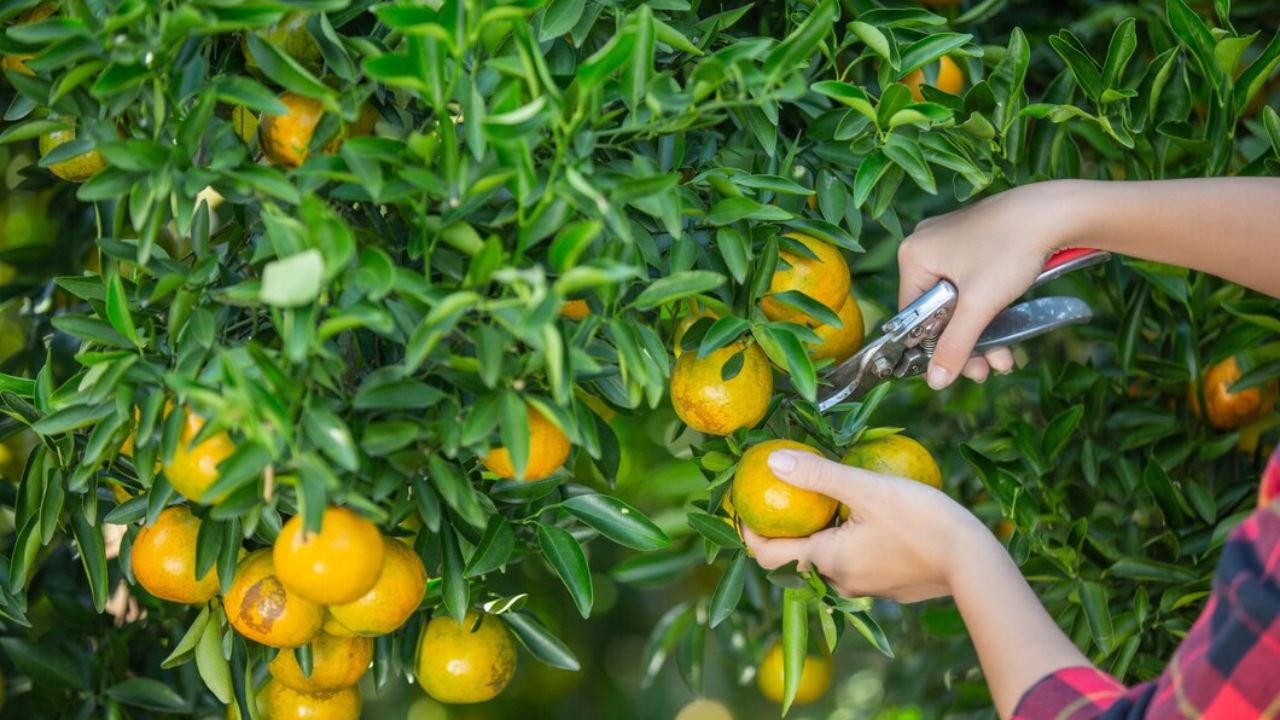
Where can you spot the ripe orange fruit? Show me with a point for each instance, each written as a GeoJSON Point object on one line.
{"type": "Point", "coordinates": [193, 470]}
{"type": "Point", "coordinates": [548, 449]}
{"type": "Point", "coordinates": [18, 63]}
{"type": "Point", "coordinates": [76, 169]}
{"type": "Point", "coordinates": [290, 35]}
{"type": "Point", "coordinates": [391, 600]}
{"type": "Point", "coordinates": [285, 703]}
{"type": "Point", "coordinates": [772, 507]}
{"type": "Point", "coordinates": [839, 343]}
{"type": "Point", "coordinates": [824, 278]}
{"type": "Point", "coordinates": [164, 558]}
{"type": "Point", "coordinates": [284, 139]}
{"type": "Point", "coordinates": [262, 609]}
{"type": "Point", "coordinates": [708, 403]}
{"type": "Point", "coordinates": [950, 79]}
{"type": "Point", "coordinates": [896, 455]}
{"type": "Point", "coordinates": [575, 309]}
{"type": "Point", "coordinates": [1004, 529]}
{"type": "Point", "coordinates": [336, 565]}
{"type": "Point", "coordinates": [815, 678]}
{"type": "Point", "coordinates": [466, 663]}
{"type": "Point", "coordinates": [1228, 410]}
{"type": "Point", "coordinates": [336, 663]}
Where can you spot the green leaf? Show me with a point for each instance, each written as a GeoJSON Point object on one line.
{"type": "Point", "coordinates": [45, 663]}
{"type": "Point", "coordinates": [72, 418]}
{"type": "Point", "coordinates": [547, 648]}
{"type": "Point", "coordinates": [294, 281]}
{"type": "Point", "coordinates": [717, 529]}
{"type": "Point", "coordinates": [329, 433]}
{"type": "Point", "coordinates": [906, 154]}
{"type": "Point", "coordinates": [565, 556]}
{"type": "Point", "coordinates": [147, 694]}
{"type": "Point", "coordinates": [1059, 431]}
{"type": "Point", "coordinates": [1095, 601]}
{"type": "Point", "coordinates": [214, 668]}
{"type": "Point", "coordinates": [559, 17]}
{"type": "Point", "coordinates": [810, 307]}
{"type": "Point", "coordinates": [617, 521]}
{"type": "Point", "coordinates": [799, 364]}
{"type": "Point", "coordinates": [185, 649]}
{"type": "Point", "coordinates": [735, 209]}
{"type": "Point", "coordinates": [728, 591]}
{"type": "Point", "coordinates": [93, 556]}
{"type": "Point", "coordinates": [494, 549]}
{"type": "Point", "coordinates": [795, 641]}
{"type": "Point", "coordinates": [289, 73]}
{"type": "Point", "coordinates": [678, 286]}
{"type": "Point", "coordinates": [798, 47]}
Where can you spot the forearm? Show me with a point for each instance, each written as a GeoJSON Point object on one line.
{"type": "Point", "coordinates": [1016, 640]}
{"type": "Point", "coordinates": [1229, 227]}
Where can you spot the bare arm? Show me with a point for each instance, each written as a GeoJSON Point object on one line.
{"type": "Point", "coordinates": [991, 250]}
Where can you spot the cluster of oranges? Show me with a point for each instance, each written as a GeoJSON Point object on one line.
{"type": "Point", "coordinates": [334, 590]}
{"type": "Point", "coordinates": [708, 402]}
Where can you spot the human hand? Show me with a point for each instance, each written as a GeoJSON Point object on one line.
{"type": "Point", "coordinates": [902, 539]}
{"type": "Point", "coordinates": [991, 251]}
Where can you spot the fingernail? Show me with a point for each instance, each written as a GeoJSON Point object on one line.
{"type": "Point", "coordinates": [782, 462]}
{"type": "Point", "coordinates": [938, 377]}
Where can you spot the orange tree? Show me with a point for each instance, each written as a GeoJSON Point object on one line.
{"type": "Point", "coordinates": [407, 259]}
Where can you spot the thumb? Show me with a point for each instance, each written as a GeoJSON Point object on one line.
{"type": "Point", "coordinates": [955, 346]}
{"type": "Point", "coordinates": [815, 473]}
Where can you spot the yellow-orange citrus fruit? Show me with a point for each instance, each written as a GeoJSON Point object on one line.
{"type": "Point", "coordinates": [245, 123]}
{"type": "Point", "coordinates": [840, 343]}
{"type": "Point", "coordinates": [704, 709]}
{"type": "Point", "coordinates": [391, 600]}
{"type": "Point", "coordinates": [335, 628]}
{"type": "Point", "coordinates": [262, 609]}
{"type": "Point", "coordinates": [336, 565]}
{"type": "Point", "coordinates": [76, 169]}
{"type": "Point", "coordinates": [896, 455]}
{"type": "Point", "coordinates": [193, 470]}
{"type": "Point", "coordinates": [1230, 410]}
{"type": "Point", "coordinates": [708, 403]}
{"type": "Point", "coordinates": [815, 678]}
{"type": "Point", "coordinates": [290, 35]}
{"type": "Point", "coordinates": [824, 277]}
{"type": "Point", "coordinates": [575, 309]}
{"type": "Point", "coordinates": [466, 663]}
{"type": "Point", "coordinates": [950, 79]}
{"type": "Point", "coordinates": [772, 507]}
{"type": "Point", "coordinates": [284, 139]}
{"type": "Point", "coordinates": [164, 558]}
{"type": "Point", "coordinates": [1004, 529]}
{"type": "Point", "coordinates": [285, 703]}
{"type": "Point", "coordinates": [686, 322]}
{"type": "Point", "coordinates": [548, 449]}
{"type": "Point", "coordinates": [336, 663]}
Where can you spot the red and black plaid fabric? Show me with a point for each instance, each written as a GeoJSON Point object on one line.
{"type": "Point", "coordinates": [1228, 666]}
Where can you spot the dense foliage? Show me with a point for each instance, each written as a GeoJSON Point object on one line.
{"type": "Point", "coordinates": [367, 325]}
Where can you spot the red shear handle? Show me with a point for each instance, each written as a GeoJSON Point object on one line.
{"type": "Point", "coordinates": [1065, 256]}
{"type": "Point", "coordinates": [1065, 261]}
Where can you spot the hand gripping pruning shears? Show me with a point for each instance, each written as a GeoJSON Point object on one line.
{"type": "Point", "coordinates": [909, 338]}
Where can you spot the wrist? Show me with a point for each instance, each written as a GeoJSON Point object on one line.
{"type": "Point", "coordinates": [1075, 211]}
{"type": "Point", "coordinates": [973, 554]}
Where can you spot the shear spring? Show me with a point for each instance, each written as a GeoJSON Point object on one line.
{"type": "Point", "coordinates": [929, 344]}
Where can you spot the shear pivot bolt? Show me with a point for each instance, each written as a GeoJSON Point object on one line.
{"type": "Point", "coordinates": [881, 367]}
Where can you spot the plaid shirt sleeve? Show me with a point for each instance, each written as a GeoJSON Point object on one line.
{"type": "Point", "coordinates": [1228, 666]}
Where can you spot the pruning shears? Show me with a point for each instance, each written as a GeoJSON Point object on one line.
{"type": "Point", "coordinates": [908, 339]}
